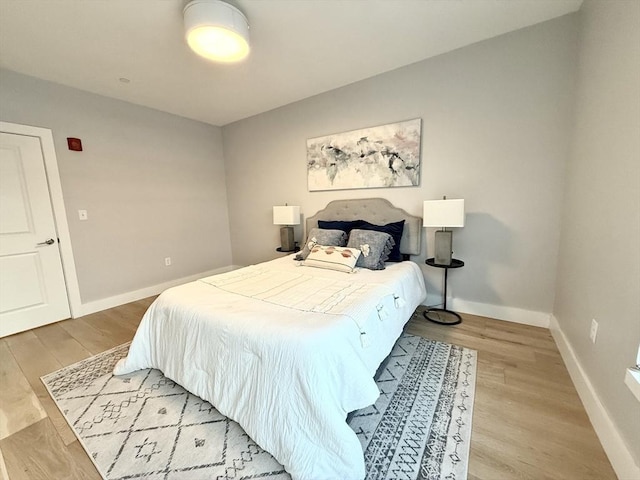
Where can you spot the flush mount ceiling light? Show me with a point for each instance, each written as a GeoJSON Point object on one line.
{"type": "Point", "coordinates": [216, 30]}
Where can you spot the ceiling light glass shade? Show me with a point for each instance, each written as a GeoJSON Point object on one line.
{"type": "Point", "coordinates": [216, 30]}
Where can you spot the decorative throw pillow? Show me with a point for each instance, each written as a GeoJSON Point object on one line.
{"type": "Point", "coordinates": [318, 236]}
{"type": "Point", "coordinates": [342, 259]}
{"type": "Point", "coordinates": [375, 247]}
{"type": "Point", "coordinates": [345, 226]}
{"type": "Point", "coordinates": [395, 230]}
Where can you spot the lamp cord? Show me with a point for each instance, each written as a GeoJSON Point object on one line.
{"type": "Point", "coordinates": [435, 305]}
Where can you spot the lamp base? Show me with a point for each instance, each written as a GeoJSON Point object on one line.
{"type": "Point", "coordinates": [287, 243]}
{"type": "Point", "coordinates": [443, 247]}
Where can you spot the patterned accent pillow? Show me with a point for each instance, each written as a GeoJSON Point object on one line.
{"type": "Point", "coordinates": [318, 236]}
{"type": "Point", "coordinates": [375, 247]}
{"type": "Point", "coordinates": [331, 257]}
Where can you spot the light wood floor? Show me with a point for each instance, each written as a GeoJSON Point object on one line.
{"type": "Point", "coordinates": [528, 422]}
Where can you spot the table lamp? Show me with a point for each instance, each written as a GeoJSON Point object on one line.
{"type": "Point", "coordinates": [443, 214]}
{"type": "Point", "coordinates": [286, 215]}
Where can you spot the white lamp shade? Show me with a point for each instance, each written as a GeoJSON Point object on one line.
{"type": "Point", "coordinates": [443, 213]}
{"type": "Point", "coordinates": [216, 30]}
{"type": "Point", "coordinates": [286, 215]}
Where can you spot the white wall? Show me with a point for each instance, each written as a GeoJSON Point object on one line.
{"type": "Point", "coordinates": [153, 185]}
{"type": "Point", "coordinates": [496, 119]}
{"type": "Point", "coordinates": [599, 267]}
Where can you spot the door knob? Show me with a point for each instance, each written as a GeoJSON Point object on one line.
{"type": "Point", "coordinates": [51, 241]}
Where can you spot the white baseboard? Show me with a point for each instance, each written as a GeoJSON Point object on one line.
{"type": "Point", "coordinates": [500, 312]}
{"type": "Point", "coordinates": [611, 440]}
{"type": "Point", "coordinates": [106, 303]}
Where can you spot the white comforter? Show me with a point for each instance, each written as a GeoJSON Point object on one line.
{"type": "Point", "coordinates": [284, 350]}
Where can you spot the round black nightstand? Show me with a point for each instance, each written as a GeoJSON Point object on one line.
{"type": "Point", "coordinates": [297, 249]}
{"type": "Point", "coordinates": [442, 315]}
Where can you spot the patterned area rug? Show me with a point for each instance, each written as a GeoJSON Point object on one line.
{"type": "Point", "coordinates": [143, 425]}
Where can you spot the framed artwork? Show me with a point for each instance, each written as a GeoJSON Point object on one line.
{"type": "Point", "coordinates": [376, 157]}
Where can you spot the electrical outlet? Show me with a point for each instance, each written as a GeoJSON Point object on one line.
{"type": "Point", "coordinates": [167, 261]}
{"type": "Point", "coordinates": [594, 330]}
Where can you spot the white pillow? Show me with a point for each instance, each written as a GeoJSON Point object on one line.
{"type": "Point", "coordinates": [342, 259]}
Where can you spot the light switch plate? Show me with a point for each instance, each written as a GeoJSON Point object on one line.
{"type": "Point", "coordinates": [82, 215]}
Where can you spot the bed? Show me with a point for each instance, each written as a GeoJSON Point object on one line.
{"type": "Point", "coordinates": [285, 350]}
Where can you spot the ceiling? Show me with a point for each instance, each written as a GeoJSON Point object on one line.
{"type": "Point", "coordinates": [134, 50]}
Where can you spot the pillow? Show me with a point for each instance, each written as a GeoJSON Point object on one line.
{"type": "Point", "coordinates": [331, 257]}
{"type": "Point", "coordinates": [375, 247]}
{"type": "Point", "coordinates": [318, 236]}
{"type": "Point", "coordinates": [395, 230]}
{"type": "Point", "coordinates": [345, 226]}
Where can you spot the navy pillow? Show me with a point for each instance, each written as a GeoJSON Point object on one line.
{"type": "Point", "coordinates": [395, 230]}
{"type": "Point", "coordinates": [345, 226]}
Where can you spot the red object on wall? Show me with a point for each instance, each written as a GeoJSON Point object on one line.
{"type": "Point", "coordinates": [74, 144]}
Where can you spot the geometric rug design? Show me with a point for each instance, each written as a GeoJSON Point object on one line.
{"type": "Point", "coordinates": [420, 426]}
{"type": "Point", "coordinates": [143, 425]}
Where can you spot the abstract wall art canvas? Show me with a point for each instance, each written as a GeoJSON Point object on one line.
{"type": "Point", "coordinates": [384, 156]}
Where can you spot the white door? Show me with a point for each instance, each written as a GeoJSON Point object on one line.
{"type": "Point", "coordinates": [32, 286]}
